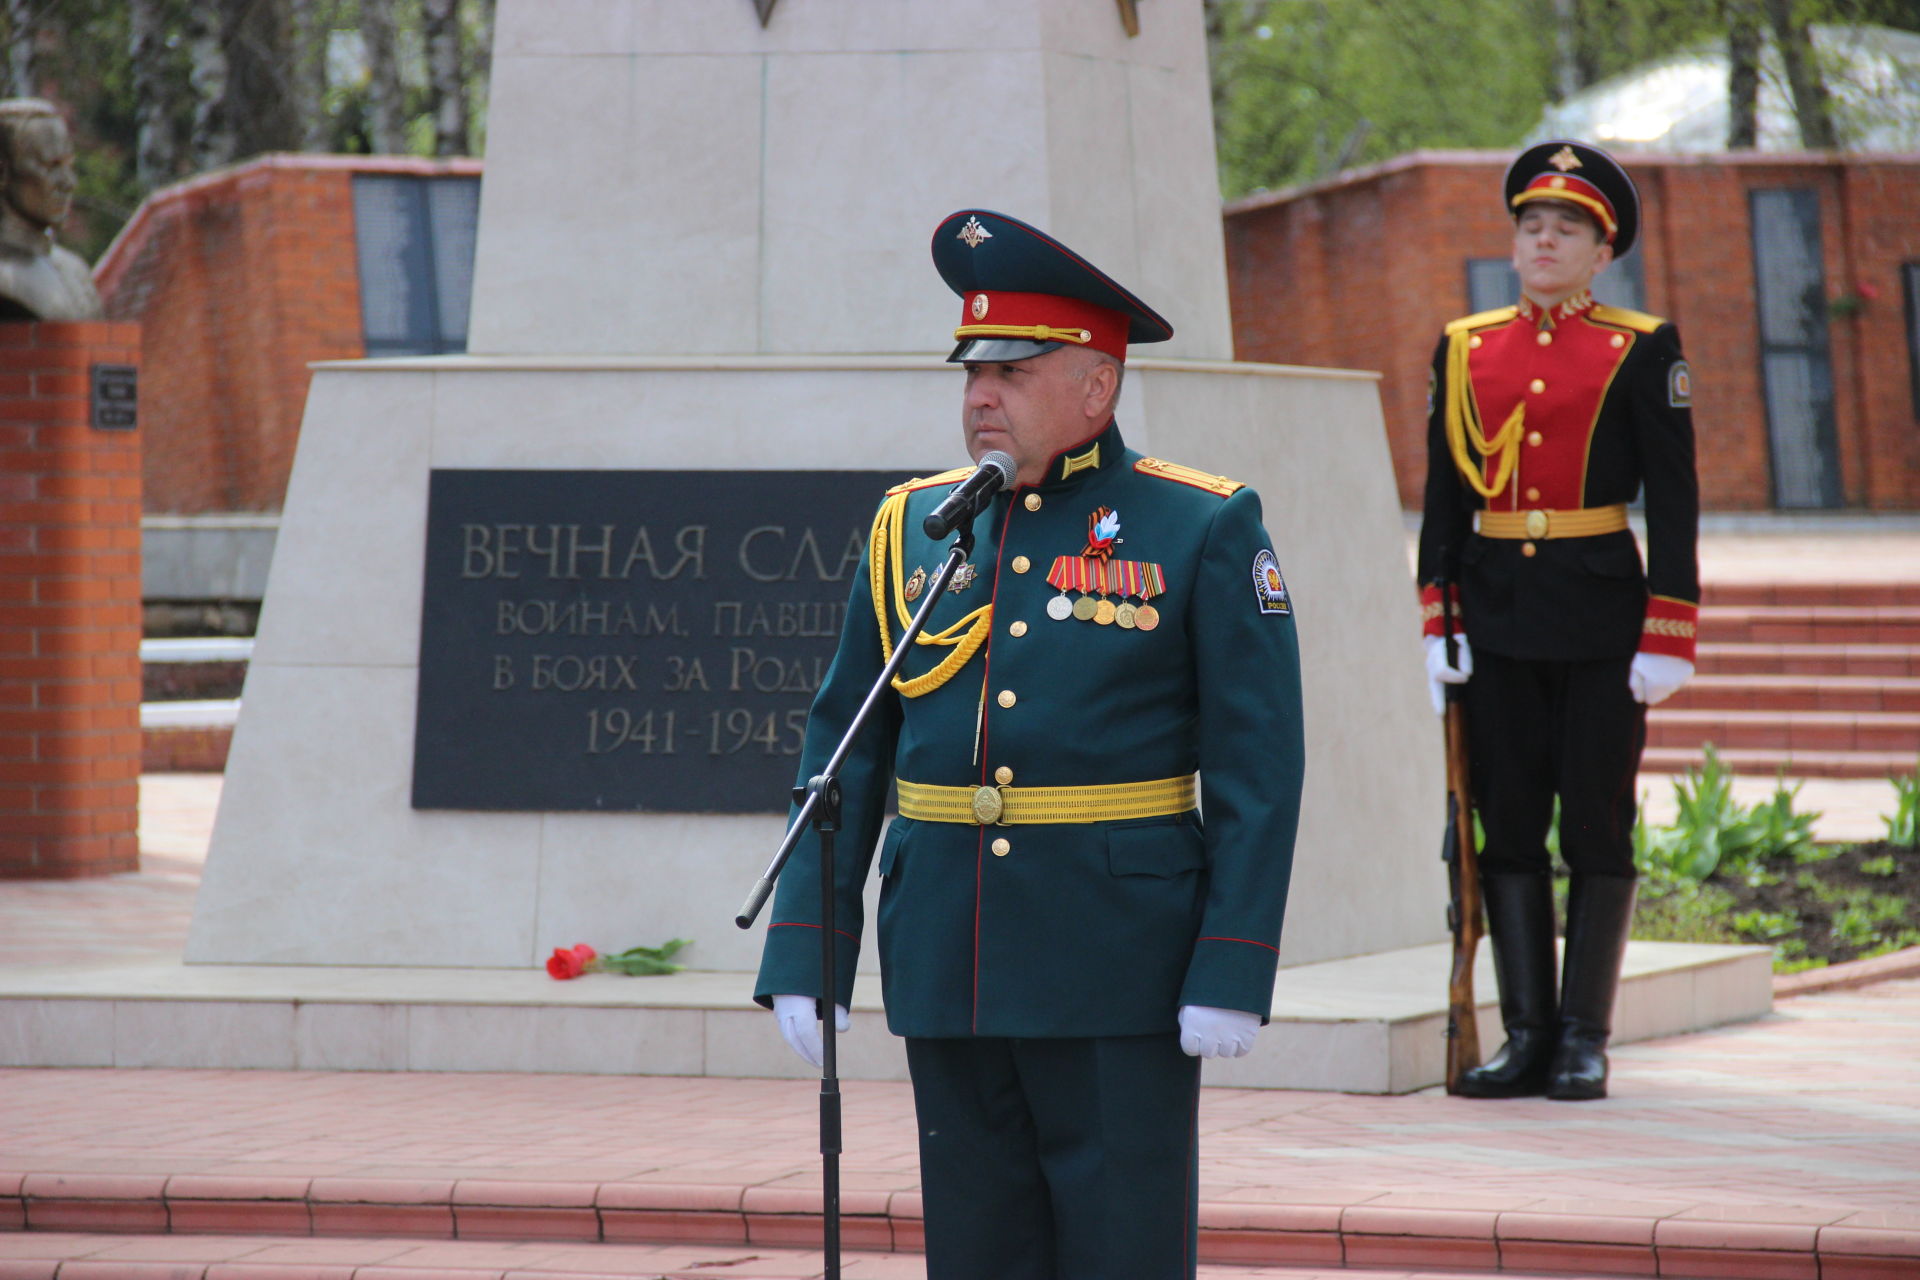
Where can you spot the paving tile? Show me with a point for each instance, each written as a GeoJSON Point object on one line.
{"type": "Point", "coordinates": [670, 1224]}
{"type": "Point", "coordinates": [1739, 1264]}
{"type": "Point", "coordinates": [260, 1217]}
{"type": "Point", "coordinates": [1584, 1255]}
{"type": "Point", "coordinates": [382, 1220]}
{"type": "Point", "coordinates": [1302, 1248]}
{"type": "Point", "coordinates": [96, 1215]}
{"type": "Point", "coordinates": [496, 1222]}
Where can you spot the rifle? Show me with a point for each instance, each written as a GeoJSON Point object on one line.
{"type": "Point", "coordinates": [1463, 873]}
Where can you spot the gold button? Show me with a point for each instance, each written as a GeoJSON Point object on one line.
{"type": "Point", "coordinates": [1545, 339]}
{"type": "Point", "coordinates": [1536, 524]}
{"type": "Point", "coordinates": [1534, 438]}
{"type": "Point", "coordinates": [1033, 502]}
{"type": "Point", "coordinates": [1003, 775]}
{"type": "Point", "coordinates": [1021, 564]}
{"type": "Point", "coordinates": [1527, 548]}
{"type": "Point", "coordinates": [1474, 342]}
{"type": "Point", "coordinates": [1619, 340]}
{"type": "Point", "coordinates": [1006, 698]}
{"type": "Point", "coordinates": [1537, 386]}
{"type": "Point", "coordinates": [1017, 629]}
{"type": "Point", "coordinates": [1001, 848]}
{"type": "Point", "coordinates": [1533, 495]}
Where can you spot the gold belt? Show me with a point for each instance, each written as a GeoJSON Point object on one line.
{"type": "Point", "coordinates": [1006, 806]}
{"type": "Point", "coordinates": [1579, 522]}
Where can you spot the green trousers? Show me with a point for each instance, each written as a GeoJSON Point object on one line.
{"type": "Point", "coordinates": [1069, 1159]}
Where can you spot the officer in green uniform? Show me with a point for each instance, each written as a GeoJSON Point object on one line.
{"type": "Point", "coordinates": [1547, 417]}
{"type": "Point", "coordinates": [1062, 933]}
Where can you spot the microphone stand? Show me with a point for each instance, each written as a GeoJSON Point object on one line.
{"type": "Point", "coordinates": [819, 803]}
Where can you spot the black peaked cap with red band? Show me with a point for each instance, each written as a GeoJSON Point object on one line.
{"type": "Point", "coordinates": [1023, 293]}
{"type": "Point", "coordinates": [1583, 175]}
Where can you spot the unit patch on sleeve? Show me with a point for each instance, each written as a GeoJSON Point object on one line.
{"type": "Point", "coordinates": [1679, 385]}
{"type": "Point", "coordinates": [1268, 585]}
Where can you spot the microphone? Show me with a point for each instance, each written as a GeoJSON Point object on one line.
{"type": "Point", "coordinates": [971, 496]}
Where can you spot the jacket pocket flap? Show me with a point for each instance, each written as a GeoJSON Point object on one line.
{"type": "Point", "coordinates": [1163, 849]}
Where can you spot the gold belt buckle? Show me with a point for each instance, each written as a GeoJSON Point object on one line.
{"type": "Point", "coordinates": [987, 805]}
{"type": "Point", "coordinates": [1536, 524]}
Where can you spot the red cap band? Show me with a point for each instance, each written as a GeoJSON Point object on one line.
{"type": "Point", "coordinates": [1564, 186]}
{"type": "Point", "coordinates": [1042, 317]}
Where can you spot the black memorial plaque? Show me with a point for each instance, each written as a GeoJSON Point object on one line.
{"type": "Point", "coordinates": [630, 640]}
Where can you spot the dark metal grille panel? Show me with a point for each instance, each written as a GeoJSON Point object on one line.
{"type": "Point", "coordinates": [1795, 368]}
{"type": "Point", "coordinates": [414, 240]}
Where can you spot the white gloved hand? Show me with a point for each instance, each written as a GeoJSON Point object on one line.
{"type": "Point", "coordinates": [799, 1019]}
{"type": "Point", "coordinates": [1655, 677]}
{"type": "Point", "coordinates": [1439, 673]}
{"type": "Point", "coordinates": [1206, 1032]}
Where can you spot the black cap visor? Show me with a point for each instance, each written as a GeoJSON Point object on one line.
{"type": "Point", "coordinates": [999, 350]}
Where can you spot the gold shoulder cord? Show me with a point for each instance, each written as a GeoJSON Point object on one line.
{"type": "Point", "coordinates": [969, 633]}
{"type": "Point", "coordinates": [1463, 424]}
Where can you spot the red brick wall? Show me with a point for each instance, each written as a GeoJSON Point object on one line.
{"type": "Point", "coordinates": [69, 608]}
{"type": "Point", "coordinates": [1362, 272]}
{"type": "Point", "coordinates": [240, 278]}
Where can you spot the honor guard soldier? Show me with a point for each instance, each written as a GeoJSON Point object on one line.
{"type": "Point", "coordinates": [1062, 934]}
{"type": "Point", "coordinates": [1545, 419]}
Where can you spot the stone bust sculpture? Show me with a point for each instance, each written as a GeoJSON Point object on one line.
{"type": "Point", "coordinates": [39, 280]}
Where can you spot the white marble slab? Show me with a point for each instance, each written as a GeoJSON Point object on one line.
{"type": "Point", "coordinates": [747, 189]}
{"type": "Point", "coordinates": [1367, 1024]}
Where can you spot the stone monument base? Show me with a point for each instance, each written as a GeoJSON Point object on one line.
{"type": "Point", "coordinates": [1368, 1024]}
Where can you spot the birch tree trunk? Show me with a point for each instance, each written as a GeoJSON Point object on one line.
{"type": "Point", "coordinates": [309, 42]}
{"type": "Point", "coordinates": [214, 139]}
{"type": "Point", "coordinates": [1567, 79]}
{"type": "Point", "coordinates": [1743, 75]}
{"type": "Point", "coordinates": [22, 29]}
{"type": "Point", "coordinates": [446, 86]}
{"type": "Point", "coordinates": [1803, 77]}
{"type": "Point", "coordinates": [154, 152]}
{"type": "Point", "coordinates": [480, 75]}
{"type": "Point", "coordinates": [385, 112]}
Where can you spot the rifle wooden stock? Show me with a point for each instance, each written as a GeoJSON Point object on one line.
{"type": "Point", "coordinates": [1463, 906]}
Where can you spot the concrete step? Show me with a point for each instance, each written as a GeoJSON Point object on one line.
{"type": "Point", "coordinates": [1811, 659]}
{"type": "Point", "coordinates": [1811, 594]}
{"type": "Point", "coordinates": [1797, 692]}
{"type": "Point", "coordinates": [193, 667]}
{"type": "Point", "coordinates": [1893, 732]}
{"type": "Point", "coordinates": [1766, 762]}
{"type": "Point", "coordinates": [1365, 1024]}
{"type": "Point", "coordinates": [1826, 624]}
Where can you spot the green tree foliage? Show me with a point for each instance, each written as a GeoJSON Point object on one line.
{"type": "Point", "coordinates": [1303, 88]}
{"type": "Point", "coordinates": [254, 74]}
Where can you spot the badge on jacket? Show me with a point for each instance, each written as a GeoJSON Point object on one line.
{"type": "Point", "coordinates": [1679, 385]}
{"type": "Point", "coordinates": [1268, 585]}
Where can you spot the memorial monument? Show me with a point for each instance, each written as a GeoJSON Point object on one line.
{"type": "Point", "coordinates": [39, 278]}
{"type": "Point", "coordinates": [70, 545]}
{"type": "Point", "coordinates": [542, 617]}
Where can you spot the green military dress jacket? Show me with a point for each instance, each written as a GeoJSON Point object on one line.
{"type": "Point", "coordinates": [1063, 928]}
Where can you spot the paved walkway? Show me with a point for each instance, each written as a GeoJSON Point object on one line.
{"type": "Point", "coordinates": [1785, 1147]}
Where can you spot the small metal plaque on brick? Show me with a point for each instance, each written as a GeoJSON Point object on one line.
{"type": "Point", "coordinates": [116, 397]}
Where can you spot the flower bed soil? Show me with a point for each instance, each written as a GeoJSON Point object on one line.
{"type": "Point", "coordinates": [1860, 901]}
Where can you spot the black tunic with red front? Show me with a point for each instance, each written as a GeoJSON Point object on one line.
{"type": "Point", "coordinates": [1596, 402]}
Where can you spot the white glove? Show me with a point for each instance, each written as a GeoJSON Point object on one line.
{"type": "Point", "coordinates": [1206, 1032]}
{"type": "Point", "coordinates": [799, 1019]}
{"type": "Point", "coordinates": [1655, 677]}
{"type": "Point", "coordinates": [1439, 673]}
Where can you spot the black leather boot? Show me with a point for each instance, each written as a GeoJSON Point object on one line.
{"type": "Point", "coordinates": [1599, 917]}
{"type": "Point", "coordinates": [1520, 924]}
